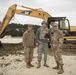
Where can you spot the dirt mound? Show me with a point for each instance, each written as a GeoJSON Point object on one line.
{"type": "Point", "coordinates": [17, 48]}
{"type": "Point", "coordinates": [11, 48]}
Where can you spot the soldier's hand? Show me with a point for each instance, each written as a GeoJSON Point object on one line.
{"type": "Point", "coordinates": [50, 44]}
{"type": "Point", "coordinates": [58, 50]}
{"type": "Point", "coordinates": [37, 44]}
{"type": "Point", "coordinates": [24, 46]}
{"type": "Point", "coordinates": [44, 31]}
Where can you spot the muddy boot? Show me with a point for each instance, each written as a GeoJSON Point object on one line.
{"type": "Point", "coordinates": [28, 66]}
{"type": "Point", "coordinates": [57, 67]}
{"type": "Point", "coordinates": [61, 70]}
{"type": "Point", "coordinates": [39, 65]}
{"type": "Point", "coordinates": [45, 64]}
{"type": "Point", "coordinates": [31, 64]}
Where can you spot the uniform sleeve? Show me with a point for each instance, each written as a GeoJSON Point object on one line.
{"type": "Point", "coordinates": [24, 39]}
{"type": "Point", "coordinates": [60, 40]}
{"type": "Point", "coordinates": [37, 35]}
{"type": "Point", "coordinates": [34, 39]}
{"type": "Point", "coordinates": [49, 33]}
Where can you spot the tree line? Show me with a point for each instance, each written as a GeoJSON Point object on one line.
{"type": "Point", "coordinates": [19, 29]}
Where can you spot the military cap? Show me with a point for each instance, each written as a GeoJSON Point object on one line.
{"type": "Point", "coordinates": [44, 22]}
{"type": "Point", "coordinates": [55, 25]}
{"type": "Point", "coordinates": [30, 25]}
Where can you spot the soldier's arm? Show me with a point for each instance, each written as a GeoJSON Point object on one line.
{"type": "Point", "coordinates": [60, 40]}
{"type": "Point", "coordinates": [37, 35]}
{"type": "Point", "coordinates": [49, 33]}
{"type": "Point", "coordinates": [24, 39]}
{"type": "Point", "coordinates": [34, 39]}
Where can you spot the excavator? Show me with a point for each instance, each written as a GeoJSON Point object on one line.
{"type": "Point", "coordinates": [63, 23]}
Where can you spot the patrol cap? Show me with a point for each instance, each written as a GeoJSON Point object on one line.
{"type": "Point", "coordinates": [30, 25]}
{"type": "Point", "coordinates": [44, 22]}
{"type": "Point", "coordinates": [55, 25]}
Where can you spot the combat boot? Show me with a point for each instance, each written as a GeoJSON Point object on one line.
{"type": "Point", "coordinates": [28, 66]}
{"type": "Point", "coordinates": [57, 67]}
{"type": "Point", "coordinates": [45, 64]}
{"type": "Point", "coordinates": [39, 65]}
{"type": "Point", "coordinates": [61, 70]}
{"type": "Point", "coordinates": [31, 64]}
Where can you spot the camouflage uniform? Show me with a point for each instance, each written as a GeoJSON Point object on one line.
{"type": "Point", "coordinates": [43, 40]}
{"type": "Point", "coordinates": [57, 43]}
{"type": "Point", "coordinates": [28, 42]}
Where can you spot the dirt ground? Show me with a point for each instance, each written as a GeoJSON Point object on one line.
{"type": "Point", "coordinates": [12, 61]}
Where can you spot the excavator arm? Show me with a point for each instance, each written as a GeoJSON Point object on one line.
{"type": "Point", "coordinates": [27, 12]}
{"type": "Point", "coordinates": [10, 13]}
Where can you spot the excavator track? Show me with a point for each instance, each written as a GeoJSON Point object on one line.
{"type": "Point", "coordinates": [69, 45]}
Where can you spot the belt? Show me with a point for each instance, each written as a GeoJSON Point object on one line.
{"type": "Point", "coordinates": [43, 40]}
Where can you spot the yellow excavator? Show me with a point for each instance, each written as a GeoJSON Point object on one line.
{"type": "Point", "coordinates": [63, 23]}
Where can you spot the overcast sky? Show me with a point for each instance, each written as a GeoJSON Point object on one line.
{"type": "Point", "coordinates": [56, 8]}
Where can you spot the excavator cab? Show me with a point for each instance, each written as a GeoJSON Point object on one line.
{"type": "Point", "coordinates": [63, 24]}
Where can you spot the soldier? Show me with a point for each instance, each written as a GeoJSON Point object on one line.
{"type": "Point", "coordinates": [42, 38]}
{"type": "Point", "coordinates": [29, 43]}
{"type": "Point", "coordinates": [57, 47]}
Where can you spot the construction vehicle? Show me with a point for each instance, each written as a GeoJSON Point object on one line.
{"type": "Point", "coordinates": [63, 23]}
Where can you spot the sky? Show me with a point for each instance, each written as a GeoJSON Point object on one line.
{"type": "Point", "coordinates": [56, 8]}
